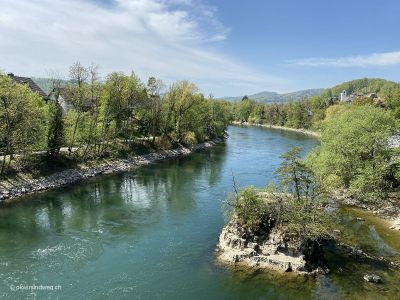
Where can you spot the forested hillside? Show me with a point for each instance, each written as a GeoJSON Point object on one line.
{"type": "Point", "coordinates": [273, 97]}
{"type": "Point", "coordinates": [309, 113]}
{"type": "Point", "coordinates": [364, 86]}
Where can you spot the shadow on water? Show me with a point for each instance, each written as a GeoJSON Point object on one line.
{"type": "Point", "coordinates": [151, 234]}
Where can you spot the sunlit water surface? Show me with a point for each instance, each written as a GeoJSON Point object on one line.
{"type": "Point", "coordinates": [151, 234]}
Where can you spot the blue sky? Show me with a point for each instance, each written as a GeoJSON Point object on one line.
{"type": "Point", "coordinates": [280, 37]}
{"type": "Point", "coordinates": [225, 47]}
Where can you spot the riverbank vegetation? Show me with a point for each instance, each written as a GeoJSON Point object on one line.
{"type": "Point", "coordinates": [114, 117]}
{"type": "Point", "coordinates": [296, 207]}
{"type": "Point", "coordinates": [88, 119]}
{"type": "Point", "coordinates": [355, 154]}
{"type": "Point", "coordinates": [309, 113]}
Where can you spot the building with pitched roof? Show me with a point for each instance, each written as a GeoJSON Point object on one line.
{"type": "Point", "coordinates": [30, 83]}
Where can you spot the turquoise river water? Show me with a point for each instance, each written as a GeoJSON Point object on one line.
{"type": "Point", "coordinates": [152, 233]}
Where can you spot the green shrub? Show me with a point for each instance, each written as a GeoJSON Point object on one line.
{"type": "Point", "coordinates": [354, 151]}
{"type": "Point", "coordinates": [251, 208]}
{"type": "Point", "coordinates": [189, 138]}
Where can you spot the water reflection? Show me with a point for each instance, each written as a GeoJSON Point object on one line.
{"type": "Point", "coordinates": [383, 249]}
{"type": "Point", "coordinates": [119, 203]}
{"type": "Point", "coordinates": [152, 233]}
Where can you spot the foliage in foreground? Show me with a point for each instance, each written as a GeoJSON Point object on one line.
{"type": "Point", "coordinates": [22, 120]}
{"type": "Point", "coordinates": [297, 207]}
{"type": "Point", "coordinates": [354, 152]}
{"type": "Point", "coordinates": [115, 117]}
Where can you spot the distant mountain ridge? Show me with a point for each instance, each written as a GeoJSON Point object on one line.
{"type": "Point", "coordinates": [273, 97]}
{"type": "Point", "coordinates": [362, 85]}
{"type": "Point", "coordinates": [46, 84]}
{"type": "Point", "coordinates": [262, 97]}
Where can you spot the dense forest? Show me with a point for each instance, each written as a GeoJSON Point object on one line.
{"type": "Point", "coordinates": [117, 116]}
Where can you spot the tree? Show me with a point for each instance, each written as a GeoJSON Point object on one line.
{"type": "Point", "coordinates": [77, 96]}
{"type": "Point", "coordinates": [55, 133]}
{"type": "Point", "coordinates": [154, 89]}
{"type": "Point", "coordinates": [134, 96]}
{"type": "Point", "coordinates": [297, 115]}
{"type": "Point", "coordinates": [93, 103]}
{"type": "Point", "coordinates": [179, 101]}
{"type": "Point", "coordinates": [22, 120]}
{"type": "Point", "coordinates": [301, 200]}
{"type": "Point", "coordinates": [354, 151]}
{"type": "Point", "coordinates": [110, 108]}
{"type": "Point", "coordinates": [296, 209]}
{"type": "Point", "coordinates": [295, 176]}
{"type": "Point", "coordinates": [243, 109]}
{"type": "Point", "coordinates": [257, 114]}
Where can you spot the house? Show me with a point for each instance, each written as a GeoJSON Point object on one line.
{"type": "Point", "coordinates": [30, 83]}
{"type": "Point", "coordinates": [343, 96]}
{"type": "Point", "coordinates": [59, 95]}
{"type": "Point", "coordinates": [375, 99]}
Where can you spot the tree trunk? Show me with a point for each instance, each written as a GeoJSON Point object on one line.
{"type": "Point", "coordinates": [3, 165]}
{"type": "Point", "coordinates": [74, 132]}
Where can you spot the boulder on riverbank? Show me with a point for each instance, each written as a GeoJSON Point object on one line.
{"type": "Point", "coordinates": [396, 224]}
{"type": "Point", "coordinates": [372, 278]}
{"type": "Point", "coordinates": [268, 248]}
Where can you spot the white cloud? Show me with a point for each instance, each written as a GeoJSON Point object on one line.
{"type": "Point", "coordinates": [168, 39]}
{"type": "Point", "coordinates": [371, 60]}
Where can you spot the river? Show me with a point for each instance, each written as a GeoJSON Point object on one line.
{"type": "Point", "coordinates": [152, 233]}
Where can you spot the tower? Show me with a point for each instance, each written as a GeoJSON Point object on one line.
{"type": "Point", "coordinates": [343, 96]}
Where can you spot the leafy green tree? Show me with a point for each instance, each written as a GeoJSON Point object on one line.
{"type": "Point", "coordinates": [180, 102]}
{"type": "Point", "coordinates": [392, 100]}
{"type": "Point", "coordinates": [220, 115]}
{"type": "Point", "coordinates": [243, 109]}
{"type": "Point", "coordinates": [55, 133]}
{"type": "Point", "coordinates": [296, 209]}
{"type": "Point", "coordinates": [275, 114]}
{"type": "Point", "coordinates": [295, 176]}
{"type": "Point", "coordinates": [90, 136]}
{"type": "Point", "coordinates": [77, 96]}
{"type": "Point", "coordinates": [22, 120]}
{"type": "Point", "coordinates": [251, 208]}
{"type": "Point", "coordinates": [298, 115]}
{"type": "Point", "coordinates": [354, 151]}
{"type": "Point", "coordinates": [257, 114]}
{"type": "Point", "coordinates": [301, 205]}
{"type": "Point", "coordinates": [154, 100]}
{"type": "Point", "coordinates": [114, 117]}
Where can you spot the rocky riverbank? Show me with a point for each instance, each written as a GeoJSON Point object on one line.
{"type": "Point", "coordinates": [31, 186]}
{"type": "Point", "coordinates": [299, 130]}
{"type": "Point", "coordinates": [389, 211]}
{"type": "Point", "coordinates": [267, 249]}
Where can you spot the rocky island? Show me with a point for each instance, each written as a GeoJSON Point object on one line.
{"type": "Point", "coordinates": [268, 248]}
{"type": "Point", "coordinates": [279, 228]}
